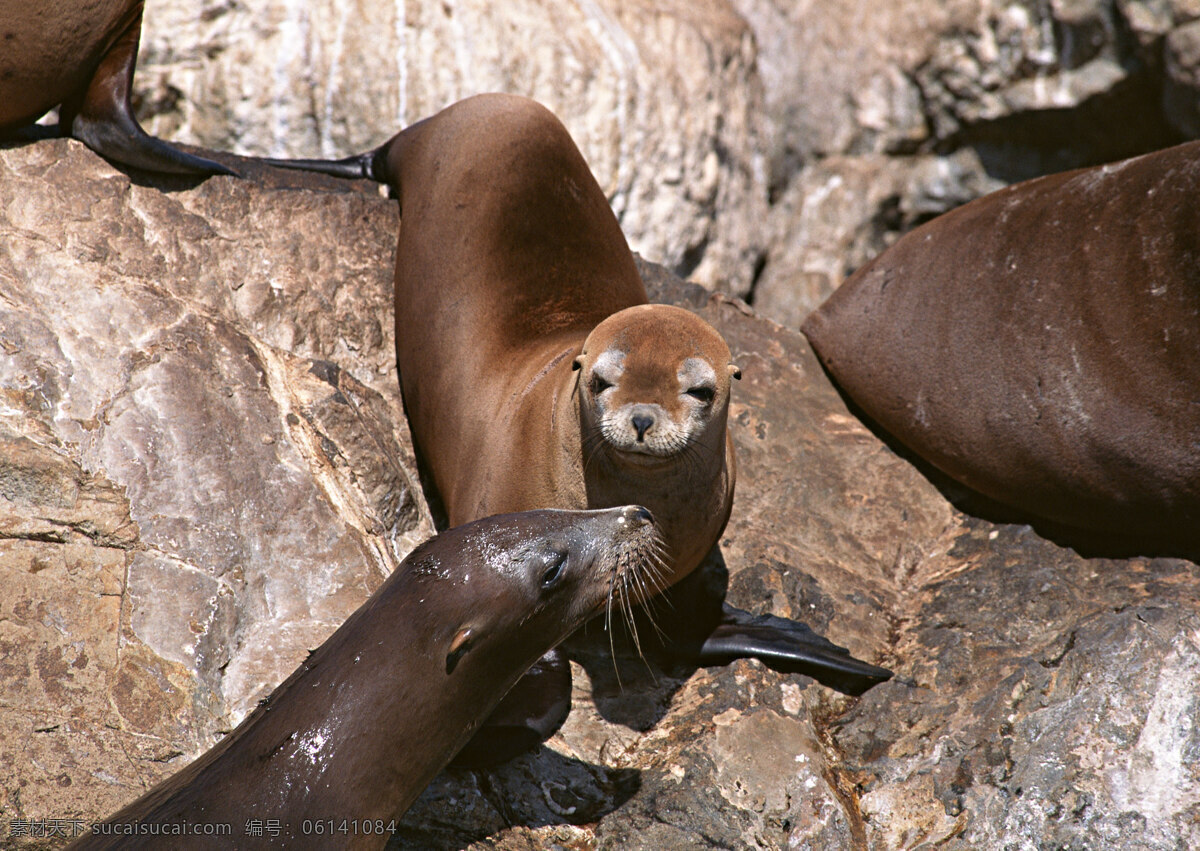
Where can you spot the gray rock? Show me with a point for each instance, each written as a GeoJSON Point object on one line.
{"type": "Point", "coordinates": [847, 209]}
{"type": "Point", "coordinates": [983, 92]}
{"type": "Point", "coordinates": [1181, 94]}
{"type": "Point", "coordinates": [1065, 719]}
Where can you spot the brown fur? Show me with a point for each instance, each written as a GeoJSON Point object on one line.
{"type": "Point", "coordinates": [509, 256]}
{"type": "Point", "coordinates": [79, 55]}
{"type": "Point", "coordinates": [49, 51]}
{"type": "Point", "coordinates": [1042, 345]}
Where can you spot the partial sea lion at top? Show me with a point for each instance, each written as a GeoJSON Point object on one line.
{"type": "Point", "coordinates": [1041, 345]}
{"type": "Point", "coordinates": [535, 374]}
{"type": "Point", "coordinates": [80, 57]}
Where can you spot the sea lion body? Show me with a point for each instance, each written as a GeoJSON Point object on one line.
{"type": "Point", "coordinates": [509, 261]}
{"type": "Point", "coordinates": [535, 374]}
{"type": "Point", "coordinates": [51, 51]}
{"type": "Point", "coordinates": [359, 730]}
{"type": "Point", "coordinates": [81, 56]}
{"type": "Point", "coordinates": [1042, 345]}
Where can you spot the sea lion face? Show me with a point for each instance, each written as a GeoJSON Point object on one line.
{"type": "Point", "coordinates": [653, 381]}
{"type": "Point", "coordinates": [533, 578]}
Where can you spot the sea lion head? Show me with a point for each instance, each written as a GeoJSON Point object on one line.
{"type": "Point", "coordinates": [527, 580]}
{"type": "Point", "coordinates": [653, 381]}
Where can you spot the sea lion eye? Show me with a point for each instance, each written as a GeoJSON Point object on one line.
{"type": "Point", "coordinates": [599, 385]}
{"type": "Point", "coordinates": [704, 394]}
{"type": "Point", "coordinates": [555, 571]}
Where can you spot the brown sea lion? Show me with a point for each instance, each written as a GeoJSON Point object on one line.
{"type": "Point", "coordinates": [80, 55]}
{"type": "Point", "coordinates": [1042, 346]}
{"type": "Point", "coordinates": [534, 372]}
{"type": "Point", "coordinates": [522, 324]}
{"type": "Point", "coordinates": [359, 730]}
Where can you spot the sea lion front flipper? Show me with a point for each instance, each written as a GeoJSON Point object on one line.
{"type": "Point", "coordinates": [789, 647]}
{"type": "Point", "coordinates": [699, 627]}
{"type": "Point", "coordinates": [102, 118]}
{"type": "Point", "coordinates": [530, 713]}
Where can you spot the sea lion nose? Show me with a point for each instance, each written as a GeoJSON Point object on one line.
{"type": "Point", "coordinates": [642, 423]}
{"type": "Point", "coordinates": [636, 515]}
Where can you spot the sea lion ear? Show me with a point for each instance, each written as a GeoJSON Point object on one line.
{"type": "Point", "coordinates": [735, 371]}
{"type": "Point", "coordinates": [463, 641]}
{"type": "Point", "coordinates": [577, 364]}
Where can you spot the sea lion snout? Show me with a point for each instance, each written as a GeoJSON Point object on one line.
{"type": "Point", "coordinates": [642, 417]}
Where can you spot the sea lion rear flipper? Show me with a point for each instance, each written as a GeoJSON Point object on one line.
{"type": "Point", "coordinates": [789, 647]}
{"type": "Point", "coordinates": [102, 118]}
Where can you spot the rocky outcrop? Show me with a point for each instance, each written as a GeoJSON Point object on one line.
{"type": "Point", "coordinates": [661, 98]}
{"type": "Point", "coordinates": [766, 148]}
{"type": "Point", "coordinates": [881, 117]}
{"type": "Point", "coordinates": [195, 489]}
{"type": "Point", "coordinates": [204, 467]}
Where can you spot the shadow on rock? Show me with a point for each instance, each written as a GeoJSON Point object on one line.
{"type": "Point", "coordinates": [539, 789]}
{"type": "Point", "coordinates": [636, 671]}
{"type": "Point", "coordinates": [1087, 543]}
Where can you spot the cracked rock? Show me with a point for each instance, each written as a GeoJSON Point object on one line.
{"type": "Point", "coordinates": [171, 546]}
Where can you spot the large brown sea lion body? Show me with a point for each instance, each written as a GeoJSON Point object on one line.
{"type": "Point", "coordinates": [359, 730]}
{"type": "Point", "coordinates": [521, 320]}
{"type": "Point", "coordinates": [534, 372]}
{"type": "Point", "coordinates": [1042, 345]}
{"type": "Point", "coordinates": [80, 55]}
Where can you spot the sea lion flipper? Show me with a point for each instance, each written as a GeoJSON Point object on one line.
{"type": "Point", "coordinates": [123, 141]}
{"type": "Point", "coordinates": [528, 715]}
{"type": "Point", "coordinates": [102, 117]}
{"type": "Point", "coordinates": [789, 647]}
{"type": "Point", "coordinates": [356, 167]}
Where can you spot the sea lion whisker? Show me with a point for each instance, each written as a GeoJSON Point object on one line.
{"type": "Point", "coordinates": [592, 445]}
{"type": "Point", "coordinates": [693, 454]}
{"type": "Point", "coordinates": [630, 618]}
{"type": "Point", "coordinates": [647, 603]}
{"type": "Point", "coordinates": [648, 609]}
{"type": "Point", "coordinates": [612, 647]}
{"type": "Point", "coordinates": [658, 571]}
{"type": "Point", "coordinates": [637, 639]}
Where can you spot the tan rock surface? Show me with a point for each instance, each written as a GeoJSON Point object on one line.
{"type": "Point", "coordinates": [199, 479]}
{"type": "Point", "coordinates": [188, 503]}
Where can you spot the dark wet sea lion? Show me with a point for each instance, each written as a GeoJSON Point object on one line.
{"type": "Point", "coordinates": [535, 373]}
{"type": "Point", "coordinates": [359, 730]}
{"type": "Point", "coordinates": [1042, 346]}
{"type": "Point", "coordinates": [80, 55]}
